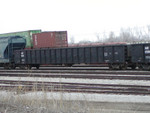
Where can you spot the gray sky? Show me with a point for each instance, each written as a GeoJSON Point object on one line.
{"type": "Point", "coordinates": [81, 18]}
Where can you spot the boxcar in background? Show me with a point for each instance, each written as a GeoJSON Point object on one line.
{"type": "Point", "coordinates": [8, 46]}
{"type": "Point", "coordinates": [25, 34]}
{"type": "Point", "coordinates": [50, 39]}
{"type": "Point", "coordinates": [116, 56]}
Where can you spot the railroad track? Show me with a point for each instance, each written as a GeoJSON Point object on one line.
{"type": "Point", "coordinates": [79, 76]}
{"type": "Point", "coordinates": [100, 88]}
{"type": "Point", "coordinates": [67, 68]}
{"type": "Point", "coordinates": [74, 87]}
{"type": "Point", "coordinates": [76, 71]}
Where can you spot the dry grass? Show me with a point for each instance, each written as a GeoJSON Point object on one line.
{"type": "Point", "coordinates": [19, 100]}
{"type": "Point", "coordinates": [15, 102]}
{"type": "Point", "coordinates": [11, 102]}
{"type": "Point", "coordinates": [42, 106]}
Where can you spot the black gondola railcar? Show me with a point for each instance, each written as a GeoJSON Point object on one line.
{"type": "Point", "coordinates": [116, 56]}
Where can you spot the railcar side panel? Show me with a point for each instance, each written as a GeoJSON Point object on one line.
{"type": "Point", "coordinates": [53, 56]}
{"type": "Point", "coordinates": [58, 56]}
{"type": "Point", "coordinates": [23, 57]}
{"type": "Point", "coordinates": [33, 54]}
{"type": "Point", "coordinates": [48, 58]}
{"type": "Point", "coordinates": [87, 55]}
{"type": "Point", "coordinates": [29, 60]}
{"type": "Point", "coordinates": [43, 57]}
{"type": "Point", "coordinates": [137, 53]}
{"type": "Point", "coordinates": [69, 56]}
{"type": "Point", "coordinates": [38, 57]}
{"type": "Point", "coordinates": [100, 52]}
{"type": "Point", "coordinates": [81, 55]}
{"type": "Point", "coordinates": [94, 55]}
{"type": "Point", "coordinates": [119, 54]}
{"type": "Point", "coordinates": [64, 56]}
{"type": "Point", "coordinates": [75, 56]}
{"type": "Point", "coordinates": [108, 54]}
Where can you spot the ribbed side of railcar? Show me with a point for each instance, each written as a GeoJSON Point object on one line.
{"type": "Point", "coordinates": [74, 55]}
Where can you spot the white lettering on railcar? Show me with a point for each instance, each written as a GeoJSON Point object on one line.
{"type": "Point", "coordinates": [106, 61]}
{"type": "Point", "coordinates": [116, 53]}
{"type": "Point", "coordinates": [22, 55]}
{"type": "Point", "coordinates": [146, 47]}
{"type": "Point", "coordinates": [147, 51]}
{"type": "Point", "coordinates": [147, 57]}
{"type": "Point", "coordinates": [105, 54]}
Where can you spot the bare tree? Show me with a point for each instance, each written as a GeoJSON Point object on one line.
{"type": "Point", "coordinates": [111, 37]}
{"type": "Point", "coordinates": [72, 41]}
{"type": "Point", "coordinates": [97, 36]}
{"type": "Point", "coordinates": [84, 42]}
{"type": "Point", "coordinates": [148, 27]}
{"type": "Point", "coordinates": [101, 37]}
{"type": "Point", "coordinates": [127, 35]}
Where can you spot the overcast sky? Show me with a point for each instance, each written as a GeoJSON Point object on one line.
{"type": "Point", "coordinates": [81, 18]}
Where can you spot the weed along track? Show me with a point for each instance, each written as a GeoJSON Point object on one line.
{"type": "Point", "coordinates": [74, 87]}
{"type": "Point", "coordinates": [119, 82]}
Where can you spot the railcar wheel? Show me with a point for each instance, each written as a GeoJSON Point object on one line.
{"type": "Point", "coordinates": [123, 67]}
{"type": "Point", "coordinates": [115, 66]}
{"type": "Point", "coordinates": [7, 66]}
{"type": "Point", "coordinates": [68, 65]}
{"type": "Point", "coordinates": [146, 67]}
{"type": "Point", "coordinates": [29, 67]}
{"type": "Point", "coordinates": [140, 67]}
{"type": "Point", "coordinates": [13, 66]}
{"type": "Point", "coordinates": [110, 67]}
{"type": "Point", "coordinates": [133, 67]}
{"type": "Point", "coordinates": [37, 67]}
{"type": "Point", "coordinates": [22, 66]}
